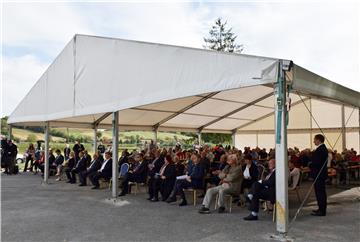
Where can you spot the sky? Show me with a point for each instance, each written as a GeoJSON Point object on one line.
{"type": "Point", "coordinates": [321, 36]}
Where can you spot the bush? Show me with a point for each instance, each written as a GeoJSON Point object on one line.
{"type": "Point", "coordinates": [31, 138]}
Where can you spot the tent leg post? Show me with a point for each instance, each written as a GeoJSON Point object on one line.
{"type": "Point", "coordinates": [155, 136]}
{"type": "Point", "coordinates": [46, 165]}
{"type": "Point", "coordinates": [343, 128]}
{"type": "Point", "coordinates": [233, 138]}
{"type": "Point", "coordinates": [282, 212]}
{"type": "Point", "coordinates": [115, 148]}
{"type": "Point", "coordinates": [10, 132]}
{"type": "Point", "coordinates": [95, 139]}
{"type": "Point", "coordinates": [199, 138]}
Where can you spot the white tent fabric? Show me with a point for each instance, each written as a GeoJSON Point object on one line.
{"type": "Point", "coordinates": [163, 87]}
{"type": "Point", "coordinates": [303, 126]}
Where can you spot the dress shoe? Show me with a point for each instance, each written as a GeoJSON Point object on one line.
{"type": "Point", "coordinates": [149, 198]}
{"type": "Point", "coordinates": [154, 200]}
{"type": "Point", "coordinates": [204, 210]}
{"type": "Point", "coordinates": [95, 187]}
{"type": "Point", "coordinates": [221, 210]}
{"type": "Point", "coordinates": [318, 214]}
{"type": "Point", "coordinates": [251, 217]}
{"type": "Point", "coordinates": [171, 200]}
{"type": "Point", "coordinates": [122, 194]}
{"type": "Point", "coordinates": [82, 185]}
{"type": "Point", "coordinates": [183, 203]}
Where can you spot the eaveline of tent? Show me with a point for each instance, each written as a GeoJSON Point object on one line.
{"type": "Point", "coordinates": [99, 82]}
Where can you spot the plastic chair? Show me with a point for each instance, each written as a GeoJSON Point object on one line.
{"type": "Point", "coordinates": [124, 169]}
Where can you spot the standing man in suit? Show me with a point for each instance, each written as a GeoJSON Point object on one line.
{"type": "Point", "coordinates": [105, 171]}
{"type": "Point", "coordinates": [94, 166]}
{"type": "Point", "coordinates": [318, 171]}
{"type": "Point", "coordinates": [79, 167]}
{"type": "Point", "coordinates": [67, 151]}
{"type": "Point", "coordinates": [78, 147]}
{"type": "Point", "coordinates": [262, 190]}
{"type": "Point", "coordinates": [12, 151]}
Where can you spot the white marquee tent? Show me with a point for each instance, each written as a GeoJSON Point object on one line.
{"type": "Point", "coordinates": [99, 82]}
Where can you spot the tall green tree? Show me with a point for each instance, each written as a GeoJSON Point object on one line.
{"type": "Point", "coordinates": [221, 38]}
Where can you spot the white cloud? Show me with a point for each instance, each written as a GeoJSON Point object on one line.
{"type": "Point", "coordinates": [323, 37]}
{"type": "Point", "coordinates": [19, 75]}
{"type": "Point", "coordinates": [42, 27]}
{"type": "Point", "coordinates": [175, 23]}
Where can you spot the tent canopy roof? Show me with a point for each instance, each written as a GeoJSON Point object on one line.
{"type": "Point", "coordinates": [163, 87]}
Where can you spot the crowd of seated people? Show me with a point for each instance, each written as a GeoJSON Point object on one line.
{"type": "Point", "coordinates": [248, 174]}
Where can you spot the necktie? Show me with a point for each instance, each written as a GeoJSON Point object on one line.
{"type": "Point", "coordinates": [268, 176]}
{"type": "Point", "coordinates": [162, 170]}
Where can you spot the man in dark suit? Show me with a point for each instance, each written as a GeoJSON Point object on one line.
{"type": "Point", "coordinates": [12, 151]}
{"type": "Point", "coordinates": [154, 169]}
{"type": "Point", "coordinates": [105, 171]}
{"type": "Point", "coordinates": [67, 151]}
{"type": "Point", "coordinates": [138, 174]}
{"type": "Point", "coordinates": [318, 171]}
{"type": "Point", "coordinates": [165, 180]}
{"type": "Point", "coordinates": [94, 166]}
{"type": "Point", "coordinates": [262, 190]}
{"type": "Point", "coordinates": [78, 147]}
{"type": "Point", "coordinates": [194, 180]}
{"type": "Point", "coordinates": [79, 167]}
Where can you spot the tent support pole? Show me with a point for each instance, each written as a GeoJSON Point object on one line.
{"type": "Point", "coordinates": [199, 138]}
{"type": "Point", "coordinates": [95, 138]}
{"type": "Point", "coordinates": [233, 138]}
{"type": "Point", "coordinates": [46, 138]}
{"type": "Point", "coordinates": [343, 129]}
{"type": "Point", "coordinates": [115, 148]}
{"type": "Point", "coordinates": [155, 136]}
{"type": "Point", "coordinates": [311, 134]}
{"type": "Point", "coordinates": [10, 132]}
{"type": "Point", "coordinates": [359, 129]}
{"type": "Point", "coordinates": [282, 212]}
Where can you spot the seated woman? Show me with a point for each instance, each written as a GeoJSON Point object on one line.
{"type": "Point", "coordinates": [180, 167]}
{"type": "Point", "coordinates": [30, 154]}
{"type": "Point", "coordinates": [164, 180]}
{"type": "Point", "coordinates": [39, 160]}
{"type": "Point", "coordinates": [250, 173]}
{"type": "Point", "coordinates": [51, 162]}
{"type": "Point", "coordinates": [192, 180]}
{"type": "Point", "coordinates": [59, 160]}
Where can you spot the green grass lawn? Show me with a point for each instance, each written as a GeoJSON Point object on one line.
{"type": "Point", "coordinates": [59, 143]}
{"type": "Point", "coordinates": [107, 134]}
